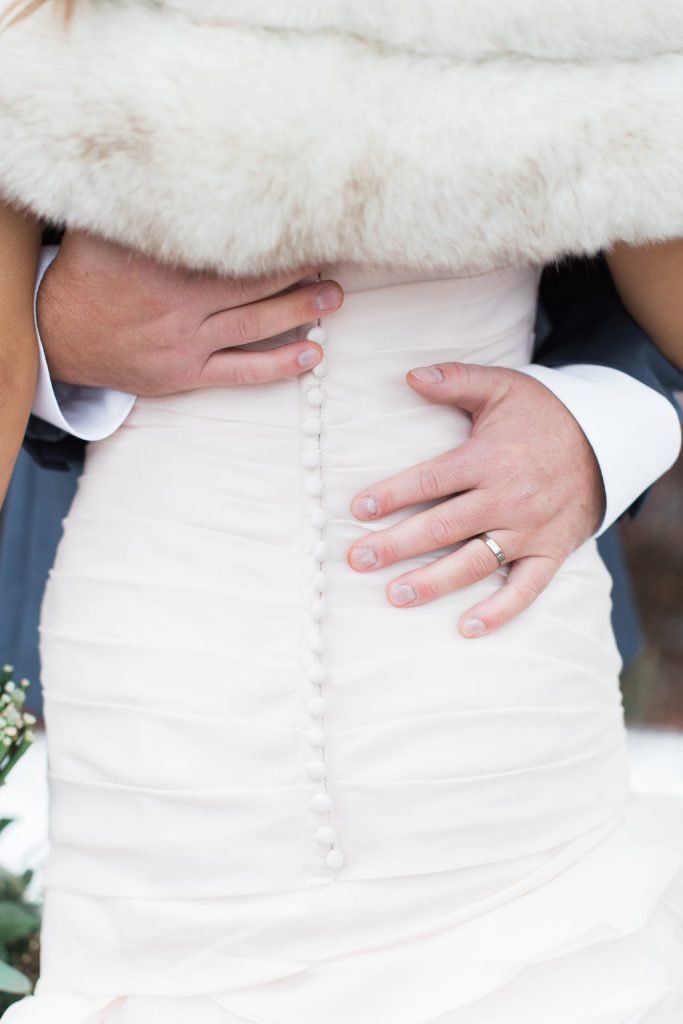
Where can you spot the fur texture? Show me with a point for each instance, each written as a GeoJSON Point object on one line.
{"type": "Point", "coordinates": [252, 135]}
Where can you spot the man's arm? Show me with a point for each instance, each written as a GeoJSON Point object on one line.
{"type": "Point", "coordinates": [618, 385]}
{"type": "Point", "coordinates": [598, 416]}
{"type": "Point", "coordinates": [64, 417]}
{"type": "Point", "coordinates": [175, 331]}
{"type": "Point", "coordinates": [589, 324]}
{"type": "Point", "coordinates": [528, 472]}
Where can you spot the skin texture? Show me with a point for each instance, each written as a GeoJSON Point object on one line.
{"type": "Point", "coordinates": [649, 279]}
{"type": "Point", "coordinates": [19, 243]}
{"type": "Point", "coordinates": [111, 318]}
{"type": "Point", "coordinates": [528, 475]}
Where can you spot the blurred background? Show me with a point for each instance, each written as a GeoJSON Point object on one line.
{"type": "Point", "coordinates": [653, 682]}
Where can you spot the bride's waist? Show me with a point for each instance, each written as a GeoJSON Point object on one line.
{"type": "Point", "coordinates": [386, 326]}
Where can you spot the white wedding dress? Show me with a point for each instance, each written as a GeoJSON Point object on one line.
{"type": "Point", "coordinates": [277, 799]}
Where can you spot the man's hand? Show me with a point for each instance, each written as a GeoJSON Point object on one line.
{"type": "Point", "coordinates": [111, 318]}
{"type": "Point", "coordinates": [527, 476]}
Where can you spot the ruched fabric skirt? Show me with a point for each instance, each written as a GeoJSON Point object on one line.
{"type": "Point", "coordinates": [277, 799]}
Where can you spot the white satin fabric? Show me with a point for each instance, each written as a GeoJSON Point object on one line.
{"type": "Point", "coordinates": [496, 869]}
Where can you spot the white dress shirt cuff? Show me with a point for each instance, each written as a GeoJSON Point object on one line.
{"type": "Point", "coordinates": [85, 412]}
{"type": "Point", "coordinates": [634, 431]}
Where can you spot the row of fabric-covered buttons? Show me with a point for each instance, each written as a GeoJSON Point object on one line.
{"type": "Point", "coordinates": [314, 394]}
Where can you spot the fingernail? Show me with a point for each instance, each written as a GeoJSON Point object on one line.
{"type": "Point", "coordinates": [309, 357]}
{"type": "Point", "coordinates": [328, 297]}
{"type": "Point", "coordinates": [402, 593]}
{"type": "Point", "coordinates": [428, 373]}
{"type": "Point", "coordinates": [365, 506]}
{"type": "Point", "coordinates": [364, 558]}
{"type": "Point", "coordinates": [474, 627]}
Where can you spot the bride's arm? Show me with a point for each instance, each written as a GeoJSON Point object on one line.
{"type": "Point", "coordinates": [649, 279]}
{"type": "Point", "coordinates": [19, 244]}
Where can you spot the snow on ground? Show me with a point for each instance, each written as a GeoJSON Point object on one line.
{"type": "Point", "coordinates": [656, 766]}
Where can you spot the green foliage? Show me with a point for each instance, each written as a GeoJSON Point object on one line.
{"type": "Point", "coordinates": [13, 982]}
{"type": "Point", "coordinates": [17, 921]}
{"type": "Point", "coordinates": [19, 918]}
{"type": "Point", "coordinates": [19, 936]}
{"type": "Point", "coordinates": [16, 733]}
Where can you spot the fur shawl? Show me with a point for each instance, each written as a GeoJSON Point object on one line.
{"type": "Point", "coordinates": [253, 135]}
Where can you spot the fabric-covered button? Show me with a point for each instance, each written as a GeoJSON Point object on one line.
{"type": "Point", "coordinates": [312, 425]}
{"type": "Point", "coordinates": [316, 674]}
{"type": "Point", "coordinates": [321, 802]}
{"type": "Point", "coordinates": [315, 645]}
{"type": "Point", "coordinates": [315, 736]}
{"type": "Point", "coordinates": [325, 835]}
{"type": "Point", "coordinates": [316, 769]}
{"type": "Point", "coordinates": [335, 859]}
{"type": "Point", "coordinates": [318, 610]}
{"type": "Point", "coordinates": [313, 486]}
{"type": "Point", "coordinates": [315, 397]}
{"type": "Point", "coordinates": [317, 334]}
{"type": "Point", "coordinates": [312, 459]}
{"type": "Point", "coordinates": [318, 517]}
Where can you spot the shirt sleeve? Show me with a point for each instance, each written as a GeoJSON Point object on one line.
{"type": "Point", "coordinates": [634, 430]}
{"type": "Point", "coordinates": [85, 412]}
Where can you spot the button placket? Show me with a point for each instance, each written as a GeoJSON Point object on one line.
{"type": "Point", "coordinates": [316, 674]}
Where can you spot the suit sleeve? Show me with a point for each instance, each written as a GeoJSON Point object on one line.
{"type": "Point", "coordinates": [586, 322]}
{"type": "Point", "coordinates": [620, 388]}
{"type": "Point", "coordinates": [65, 417]}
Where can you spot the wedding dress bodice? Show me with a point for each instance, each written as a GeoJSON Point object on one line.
{"type": "Point", "coordinates": [277, 798]}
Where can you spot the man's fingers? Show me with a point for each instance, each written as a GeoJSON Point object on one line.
{"type": "Point", "coordinates": [470, 564]}
{"type": "Point", "coordinates": [268, 318]}
{"type": "Point", "coordinates": [233, 368]}
{"type": "Point", "coordinates": [444, 524]}
{"type": "Point", "coordinates": [466, 385]}
{"type": "Point", "coordinates": [527, 579]}
{"type": "Point", "coordinates": [451, 473]}
{"type": "Point", "coordinates": [220, 293]}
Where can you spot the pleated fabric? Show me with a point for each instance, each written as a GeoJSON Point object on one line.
{"type": "Point", "coordinates": [276, 798]}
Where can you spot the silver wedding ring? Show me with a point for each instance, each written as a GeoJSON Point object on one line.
{"type": "Point", "coordinates": [492, 546]}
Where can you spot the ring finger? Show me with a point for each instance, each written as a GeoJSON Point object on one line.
{"type": "Point", "coordinates": [445, 523]}
{"type": "Point", "coordinates": [470, 564]}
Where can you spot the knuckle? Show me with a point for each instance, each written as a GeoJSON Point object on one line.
{"type": "Point", "coordinates": [528, 591]}
{"type": "Point", "coordinates": [427, 589]}
{"type": "Point", "coordinates": [556, 555]}
{"type": "Point", "coordinates": [397, 543]}
{"type": "Point", "coordinates": [428, 482]}
{"type": "Point", "coordinates": [388, 497]}
{"type": "Point", "coordinates": [482, 563]}
{"type": "Point", "coordinates": [440, 530]}
{"type": "Point", "coordinates": [245, 372]}
{"type": "Point", "coordinates": [463, 374]}
{"type": "Point", "coordinates": [388, 551]}
{"type": "Point", "coordinates": [244, 325]}
{"type": "Point", "coordinates": [526, 489]}
{"type": "Point", "coordinates": [496, 617]}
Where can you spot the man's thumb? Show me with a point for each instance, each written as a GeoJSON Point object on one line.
{"type": "Point", "coordinates": [467, 385]}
